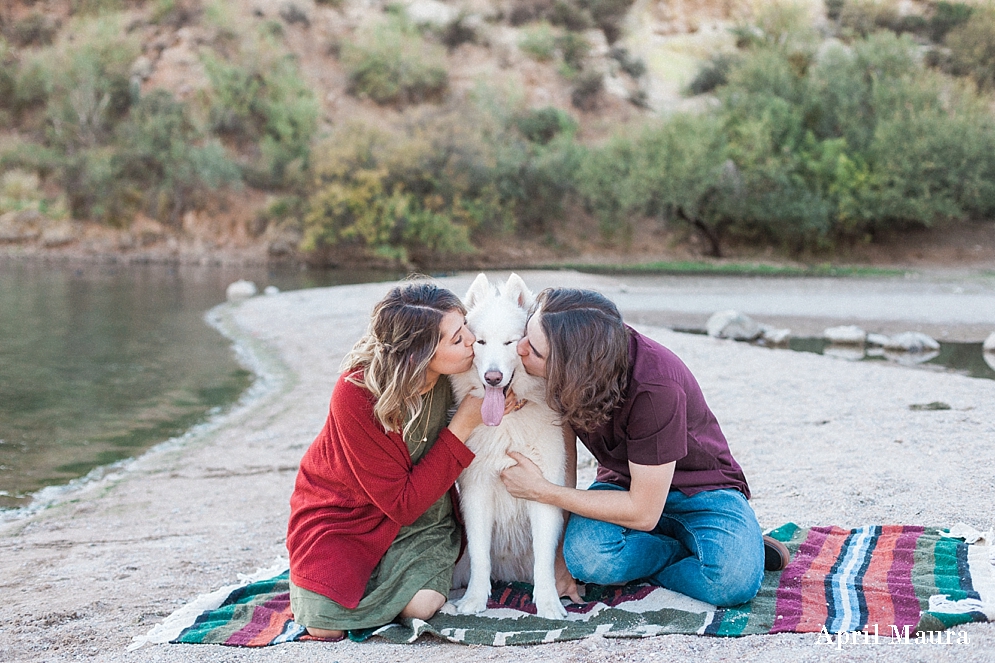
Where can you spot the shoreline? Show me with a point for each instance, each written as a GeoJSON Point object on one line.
{"type": "Point", "coordinates": [86, 574]}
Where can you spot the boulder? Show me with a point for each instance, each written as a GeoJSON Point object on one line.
{"type": "Point", "coordinates": [912, 342]}
{"type": "Point", "coordinates": [734, 325]}
{"type": "Point", "coordinates": [271, 290]}
{"type": "Point", "coordinates": [877, 340]}
{"type": "Point", "coordinates": [845, 335]}
{"type": "Point", "coordinates": [58, 233]}
{"type": "Point", "coordinates": [989, 344]}
{"type": "Point", "coordinates": [775, 336]}
{"type": "Point", "coordinates": [430, 12]}
{"type": "Point", "coordinates": [240, 290]}
{"type": "Point", "coordinates": [22, 226]}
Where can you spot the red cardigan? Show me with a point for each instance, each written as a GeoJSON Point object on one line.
{"type": "Point", "coordinates": [355, 488]}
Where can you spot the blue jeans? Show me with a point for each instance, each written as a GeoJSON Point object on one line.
{"type": "Point", "coordinates": [708, 546]}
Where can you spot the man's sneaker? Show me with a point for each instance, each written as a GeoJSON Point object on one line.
{"type": "Point", "coordinates": [776, 555]}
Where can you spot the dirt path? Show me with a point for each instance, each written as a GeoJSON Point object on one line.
{"type": "Point", "coordinates": [822, 441]}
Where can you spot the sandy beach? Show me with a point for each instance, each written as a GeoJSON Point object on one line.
{"type": "Point", "coordinates": [822, 441]}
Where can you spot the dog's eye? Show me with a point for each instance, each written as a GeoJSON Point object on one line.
{"type": "Point", "coordinates": [481, 342]}
{"type": "Point", "coordinates": [508, 342]}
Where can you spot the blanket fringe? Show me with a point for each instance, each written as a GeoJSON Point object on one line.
{"type": "Point", "coordinates": [172, 626]}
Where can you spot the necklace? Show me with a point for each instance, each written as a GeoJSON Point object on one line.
{"type": "Point", "coordinates": [426, 414]}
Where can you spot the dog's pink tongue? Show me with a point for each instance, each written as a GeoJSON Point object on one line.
{"type": "Point", "coordinates": [493, 408]}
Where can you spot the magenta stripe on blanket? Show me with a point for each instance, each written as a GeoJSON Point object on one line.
{"type": "Point", "coordinates": [789, 592]}
{"type": "Point", "coordinates": [903, 594]}
{"type": "Point", "coordinates": [262, 617]}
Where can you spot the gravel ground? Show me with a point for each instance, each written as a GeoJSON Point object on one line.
{"type": "Point", "coordinates": [822, 441]}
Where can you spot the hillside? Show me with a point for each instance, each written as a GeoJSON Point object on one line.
{"type": "Point", "coordinates": [422, 132]}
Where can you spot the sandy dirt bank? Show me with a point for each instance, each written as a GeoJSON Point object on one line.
{"type": "Point", "coordinates": [822, 441]}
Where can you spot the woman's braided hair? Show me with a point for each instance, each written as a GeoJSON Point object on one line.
{"type": "Point", "coordinates": [391, 359]}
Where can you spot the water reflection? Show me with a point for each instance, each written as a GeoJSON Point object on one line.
{"type": "Point", "coordinates": [98, 363]}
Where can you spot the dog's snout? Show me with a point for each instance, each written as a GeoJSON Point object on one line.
{"type": "Point", "coordinates": [493, 378]}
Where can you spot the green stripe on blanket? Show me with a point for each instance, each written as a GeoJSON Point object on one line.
{"type": "Point", "coordinates": [894, 578]}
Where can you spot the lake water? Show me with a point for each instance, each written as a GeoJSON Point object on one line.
{"type": "Point", "coordinates": [100, 362]}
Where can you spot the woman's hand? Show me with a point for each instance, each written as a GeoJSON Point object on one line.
{"type": "Point", "coordinates": [524, 479]}
{"type": "Point", "coordinates": [467, 417]}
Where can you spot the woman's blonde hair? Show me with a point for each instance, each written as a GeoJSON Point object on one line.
{"type": "Point", "coordinates": [391, 359]}
{"type": "Point", "coordinates": [587, 365]}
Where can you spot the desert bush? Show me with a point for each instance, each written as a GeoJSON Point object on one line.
{"type": "Point", "coordinates": [972, 48]}
{"type": "Point", "coordinates": [391, 64]}
{"type": "Point", "coordinates": [259, 99]}
{"type": "Point", "coordinates": [403, 194]}
{"type": "Point", "coordinates": [712, 73]}
{"type": "Point", "coordinates": [574, 48]}
{"type": "Point", "coordinates": [175, 13]}
{"type": "Point", "coordinates": [96, 6]}
{"type": "Point", "coordinates": [543, 124]}
{"type": "Point", "coordinates": [35, 29]}
{"type": "Point", "coordinates": [457, 32]}
{"type": "Point", "coordinates": [634, 66]}
{"type": "Point", "coordinates": [587, 87]}
{"type": "Point", "coordinates": [834, 8]}
{"type": "Point", "coordinates": [538, 42]}
{"type": "Point", "coordinates": [862, 17]}
{"type": "Point", "coordinates": [946, 17]}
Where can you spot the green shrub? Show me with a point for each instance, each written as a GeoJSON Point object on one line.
{"type": "Point", "coordinates": [538, 42]}
{"type": "Point", "coordinates": [946, 17]}
{"type": "Point", "coordinates": [175, 13]}
{"type": "Point", "coordinates": [35, 29]}
{"type": "Point", "coordinates": [862, 17]}
{"type": "Point", "coordinates": [834, 8]}
{"type": "Point", "coordinates": [95, 6]}
{"type": "Point", "coordinates": [574, 49]}
{"type": "Point", "coordinates": [972, 48]}
{"type": "Point", "coordinates": [587, 87]}
{"type": "Point", "coordinates": [712, 73]}
{"type": "Point", "coordinates": [543, 124]}
{"type": "Point", "coordinates": [259, 98]}
{"type": "Point", "coordinates": [634, 66]}
{"type": "Point", "coordinates": [392, 65]}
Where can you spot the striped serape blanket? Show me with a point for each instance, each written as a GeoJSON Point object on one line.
{"type": "Point", "coordinates": [892, 580]}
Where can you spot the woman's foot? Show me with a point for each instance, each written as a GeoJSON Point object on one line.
{"type": "Point", "coordinates": [325, 634]}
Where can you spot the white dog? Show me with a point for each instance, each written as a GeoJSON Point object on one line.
{"type": "Point", "coordinates": [507, 538]}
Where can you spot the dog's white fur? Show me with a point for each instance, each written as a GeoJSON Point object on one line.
{"type": "Point", "coordinates": [507, 538]}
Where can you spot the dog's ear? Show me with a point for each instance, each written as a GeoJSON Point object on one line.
{"type": "Point", "coordinates": [479, 289]}
{"type": "Point", "coordinates": [519, 292]}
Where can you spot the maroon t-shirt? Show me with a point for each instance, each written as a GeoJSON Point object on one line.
{"type": "Point", "coordinates": [664, 418]}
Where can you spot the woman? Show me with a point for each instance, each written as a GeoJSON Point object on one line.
{"type": "Point", "coordinates": [670, 502]}
{"type": "Point", "coordinates": [372, 533]}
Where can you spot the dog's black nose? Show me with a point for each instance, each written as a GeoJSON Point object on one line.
{"type": "Point", "coordinates": [493, 378]}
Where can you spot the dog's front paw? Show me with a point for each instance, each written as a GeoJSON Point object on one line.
{"type": "Point", "coordinates": [471, 604]}
{"type": "Point", "coordinates": [549, 607]}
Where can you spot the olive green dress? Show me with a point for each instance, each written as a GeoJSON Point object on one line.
{"type": "Point", "coordinates": [422, 555]}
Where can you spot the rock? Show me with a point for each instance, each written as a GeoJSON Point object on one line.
{"type": "Point", "coordinates": [989, 344]}
{"type": "Point", "coordinates": [142, 68]}
{"type": "Point", "coordinates": [845, 335]}
{"type": "Point", "coordinates": [877, 340]}
{"type": "Point", "coordinates": [22, 226]}
{"type": "Point", "coordinates": [271, 290]}
{"type": "Point", "coordinates": [430, 12]}
{"type": "Point", "coordinates": [912, 342]}
{"type": "Point", "coordinates": [58, 233]}
{"type": "Point", "coordinates": [734, 325]}
{"type": "Point", "coordinates": [775, 336]}
{"type": "Point", "coordinates": [240, 290]}
{"type": "Point", "coordinates": [291, 13]}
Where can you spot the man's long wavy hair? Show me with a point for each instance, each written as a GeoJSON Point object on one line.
{"type": "Point", "coordinates": [394, 354]}
{"type": "Point", "coordinates": [587, 364]}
